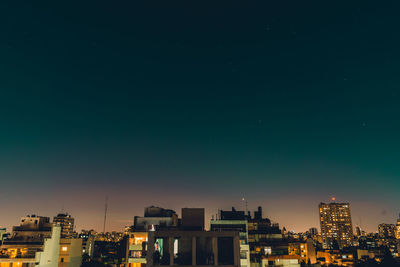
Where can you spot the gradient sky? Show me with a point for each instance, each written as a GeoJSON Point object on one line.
{"type": "Point", "coordinates": [195, 104]}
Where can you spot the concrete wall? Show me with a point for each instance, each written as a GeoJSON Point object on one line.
{"type": "Point", "coordinates": [49, 256]}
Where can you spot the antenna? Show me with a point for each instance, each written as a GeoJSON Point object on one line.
{"type": "Point", "coordinates": [245, 203]}
{"type": "Point", "coordinates": [105, 214]}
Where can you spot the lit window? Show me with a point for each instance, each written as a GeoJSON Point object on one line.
{"type": "Point", "coordinates": [64, 248]}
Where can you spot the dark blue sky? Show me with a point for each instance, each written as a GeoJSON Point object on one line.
{"type": "Point", "coordinates": [197, 104]}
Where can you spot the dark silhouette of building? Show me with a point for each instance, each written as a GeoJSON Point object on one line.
{"type": "Point", "coordinates": [192, 219]}
{"type": "Point", "coordinates": [264, 237]}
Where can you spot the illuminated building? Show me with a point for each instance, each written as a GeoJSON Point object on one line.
{"type": "Point", "coordinates": [265, 238]}
{"type": "Point", "coordinates": [35, 242]}
{"type": "Point", "coordinates": [397, 235]}
{"type": "Point", "coordinates": [368, 242]}
{"type": "Point", "coordinates": [305, 250]}
{"type": "Point", "coordinates": [137, 249]}
{"type": "Point", "coordinates": [2, 233]}
{"type": "Point", "coordinates": [325, 257]}
{"type": "Point", "coordinates": [154, 218]}
{"type": "Point", "coordinates": [67, 224]}
{"type": "Point", "coordinates": [281, 260]}
{"type": "Point", "coordinates": [87, 237]}
{"type": "Point", "coordinates": [336, 225]}
{"type": "Point", "coordinates": [109, 236]}
{"type": "Point", "coordinates": [70, 252]}
{"type": "Point", "coordinates": [386, 230]}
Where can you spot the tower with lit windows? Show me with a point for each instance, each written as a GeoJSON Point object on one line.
{"type": "Point", "coordinates": [67, 224]}
{"type": "Point", "coordinates": [336, 225]}
{"type": "Point", "coordinates": [397, 234]}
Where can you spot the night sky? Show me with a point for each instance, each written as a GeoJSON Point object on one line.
{"type": "Point", "coordinates": [197, 104]}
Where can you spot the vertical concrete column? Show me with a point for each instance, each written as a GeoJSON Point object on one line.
{"type": "Point", "coordinates": [236, 250]}
{"type": "Point", "coordinates": [215, 249]}
{"type": "Point", "coordinates": [127, 251]}
{"type": "Point", "coordinates": [194, 250]}
{"type": "Point", "coordinates": [150, 249]}
{"type": "Point", "coordinates": [171, 250]}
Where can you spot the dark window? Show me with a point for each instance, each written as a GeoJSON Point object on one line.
{"type": "Point", "coordinates": [225, 251]}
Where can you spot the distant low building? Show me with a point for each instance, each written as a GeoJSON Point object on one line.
{"type": "Point", "coordinates": [281, 261]}
{"type": "Point", "coordinates": [305, 250]}
{"type": "Point", "coordinates": [87, 237]}
{"type": "Point", "coordinates": [363, 254]}
{"type": "Point", "coordinates": [325, 257]}
{"type": "Point", "coordinates": [109, 236]}
{"type": "Point", "coordinates": [313, 231]}
{"type": "Point", "coordinates": [3, 232]}
{"type": "Point", "coordinates": [367, 242]}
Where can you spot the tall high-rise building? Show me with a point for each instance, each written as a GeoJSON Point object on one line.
{"type": "Point", "coordinates": [336, 225]}
{"type": "Point", "coordinates": [398, 228]}
{"type": "Point", "coordinates": [67, 224]}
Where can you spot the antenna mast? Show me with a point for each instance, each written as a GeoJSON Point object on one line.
{"type": "Point", "coordinates": [105, 214]}
{"type": "Point", "coordinates": [245, 203]}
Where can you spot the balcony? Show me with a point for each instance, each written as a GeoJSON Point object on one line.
{"type": "Point", "coordinates": [135, 247]}
{"type": "Point", "coordinates": [136, 260]}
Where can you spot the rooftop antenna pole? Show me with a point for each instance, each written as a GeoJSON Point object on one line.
{"type": "Point", "coordinates": [245, 203]}
{"type": "Point", "coordinates": [105, 214]}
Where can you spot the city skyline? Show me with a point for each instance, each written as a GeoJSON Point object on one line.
{"type": "Point", "coordinates": [190, 105]}
{"type": "Point", "coordinates": [114, 224]}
